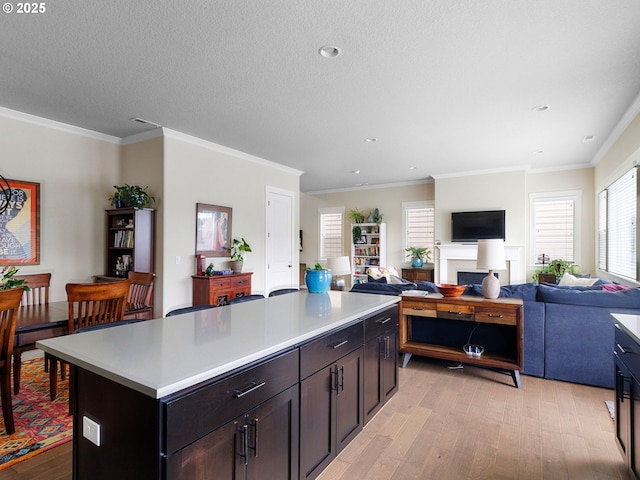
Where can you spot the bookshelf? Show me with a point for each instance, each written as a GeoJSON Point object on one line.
{"type": "Point", "coordinates": [130, 241]}
{"type": "Point", "coordinates": [368, 250]}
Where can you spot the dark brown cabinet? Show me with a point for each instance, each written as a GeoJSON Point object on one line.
{"type": "Point", "coordinates": [219, 289]}
{"type": "Point", "coordinates": [130, 241]}
{"type": "Point", "coordinates": [416, 275]}
{"type": "Point", "coordinates": [331, 399]}
{"type": "Point", "coordinates": [380, 360]}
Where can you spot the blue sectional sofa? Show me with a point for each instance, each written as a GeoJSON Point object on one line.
{"type": "Point", "coordinates": [568, 331]}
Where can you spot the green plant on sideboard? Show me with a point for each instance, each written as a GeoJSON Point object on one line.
{"type": "Point", "coordinates": [556, 267]}
{"type": "Point", "coordinates": [418, 255]}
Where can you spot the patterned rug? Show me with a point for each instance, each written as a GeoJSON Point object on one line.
{"type": "Point", "coordinates": [40, 423]}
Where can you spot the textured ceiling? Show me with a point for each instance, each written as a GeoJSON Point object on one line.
{"type": "Point", "coordinates": [446, 86]}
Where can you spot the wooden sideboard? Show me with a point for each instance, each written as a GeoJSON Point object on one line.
{"type": "Point", "coordinates": [440, 327]}
{"type": "Point", "coordinates": [219, 289]}
{"type": "Point", "coordinates": [416, 275]}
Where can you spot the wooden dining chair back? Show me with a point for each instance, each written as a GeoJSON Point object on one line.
{"type": "Point", "coordinates": [38, 293]}
{"type": "Point", "coordinates": [9, 304]}
{"type": "Point", "coordinates": [140, 301]}
{"type": "Point", "coordinates": [89, 304]}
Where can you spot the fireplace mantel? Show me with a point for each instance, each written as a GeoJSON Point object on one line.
{"type": "Point", "coordinates": [470, 252]}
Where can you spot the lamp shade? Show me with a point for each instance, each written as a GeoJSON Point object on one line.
{"type": "Point", "coordinates": [339, 265]}
{"type": "Point", "coordinates": [491, 254]}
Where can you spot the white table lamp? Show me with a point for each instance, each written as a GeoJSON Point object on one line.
{"type": "Point", "coordinates": [491, 257]}
{"type": "Point", "coordinates": [339, 266]}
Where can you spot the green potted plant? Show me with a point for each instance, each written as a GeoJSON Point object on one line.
{"type": "Point", "coordinates": [556, 267]}
{"type": "Point", "coordinates": [418, 255]}
{"type": "Point", "coordinates": [7, 281]}
{"type": "Point", "coordinates": [131, 196]}
{"type": "Point", "coordinates": [238, 248]}
{"type": "Point", "coordinates": [356, 216]}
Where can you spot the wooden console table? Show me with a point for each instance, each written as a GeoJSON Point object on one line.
{"type": "Point", "coordinates": [219, 289]}
{"type": "Point", "coordinates": [439, 327]}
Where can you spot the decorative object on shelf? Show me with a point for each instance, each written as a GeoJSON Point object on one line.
{"type": "Point", "coordinates": [555, 267]}
{"type": "Point", "coordinates": [133, 196]}
{"type": "Point", "coordinates": [20, 244]}
{"type": "Point", "coordinates": [213, 230]}
{"type": "Point", "coordinates": [491, 257]}
{"type": "Point", "coordinates": [451, 290]}
{"type": "Point", "coordinates": [210, 271]}
{"type": "Point", "coordinates": [318, 279]}
{"type": "Point", "coordinates": [238, 248]}
{"type": "Point", "coordinates": [418, 255]}
{"type": "Point", "coordinates": [356, 216]}
{"type": "Point", "coordinates": [339, 266]}
{"type": "Point", "coordinates": [356, 232]}
{"type": "Point", "coordinates": [7, 281]}
{"type": "Point", "coordinates": [377, 217]}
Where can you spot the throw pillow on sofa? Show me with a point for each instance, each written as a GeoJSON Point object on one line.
{"type": "Point", "coordinates": [568, 280]}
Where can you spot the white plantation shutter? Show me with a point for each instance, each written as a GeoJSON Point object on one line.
{"type": "Point", "coordinates": [554, 226]}
{"type": "Point", "coordinates": [330, 233]}
{"type": "Point", "coordinates": [419, 221]}
{"type": "Point", "coordinates": [622, 212]}
{"type": "Point", "coordinates": [602, 230]}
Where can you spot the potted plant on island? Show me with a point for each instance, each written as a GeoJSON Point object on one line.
{"type": "Point", "coordinates": [238, 248]}
{"type": "Point", "coordinates": [318, 279]}
{"type": "Point", "coordinates": [418, 255]}
{"type": "Point", "coordinates": [132, 196]}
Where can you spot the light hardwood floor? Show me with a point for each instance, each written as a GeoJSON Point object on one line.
{"type": "Point", "coordinates": [456, 425]}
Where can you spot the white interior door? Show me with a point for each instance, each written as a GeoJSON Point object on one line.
{"type": "Point", "coordinates": [280, 240]}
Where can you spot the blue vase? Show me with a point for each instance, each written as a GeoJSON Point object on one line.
{"type": "Point", "coordinates": [318, 281]}
{"type": "Point", "coordinates": [416, 262]}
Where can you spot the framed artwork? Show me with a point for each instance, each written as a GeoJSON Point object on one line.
{"type": "Point", "coordinates": [213, 230]}
{"type": "Point", "coordinates": [19, 223]}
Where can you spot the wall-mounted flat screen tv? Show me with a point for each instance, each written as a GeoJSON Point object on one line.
{"type": "Point", "coordinates": [474, 226]}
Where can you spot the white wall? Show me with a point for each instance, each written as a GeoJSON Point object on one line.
{"type": "Point", "coordinates": [76, 170]}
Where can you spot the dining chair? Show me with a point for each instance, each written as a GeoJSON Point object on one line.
{"type": "Point", "coordinates": [195, 308]}
{"type": "Point", "coordinates": [283, 291]}
{"type": "Point", "coordinates": [38, 294]}
{"type": "Point", "coordinates": [246, 298]}
{"type": "Point", "coordinates": [89, 304]}
{"type": "Point", "coordinates": [140, 301]}
{"type": "Point", "coordinates": [9, 304]}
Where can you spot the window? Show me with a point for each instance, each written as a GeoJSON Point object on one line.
{"type": "Point", "coordinates": [555, 221]}
{"type": "Point", "coordinates": [618, 223]}
{"type": "Point", "coordinates": [418, 225]}
{"type": "Point", "coordinates": [330, 232]}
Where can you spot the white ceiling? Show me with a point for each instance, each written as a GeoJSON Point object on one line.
{"type": "Point", "coordinates": [446, 86]}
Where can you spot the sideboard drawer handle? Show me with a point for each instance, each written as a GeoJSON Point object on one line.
{"type": "Point", "coordinates": [417, 308]}
{"type": "Point", "coordinates": [250, 389]}
{"type": "Point", "coordinates": [456, 313]}
{"type": "Point", "coordinates": [493, 315]}
{"type": "Point", "coordinates": [382, 322]}
{"type": "Point", "coordinates": [338, 345]}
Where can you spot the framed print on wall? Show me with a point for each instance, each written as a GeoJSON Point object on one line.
{"type": "Point", "coordinates": [19, 223]}
{"type": "Point", "coordinates": [213, 230]}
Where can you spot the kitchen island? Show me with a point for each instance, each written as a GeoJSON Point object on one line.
{"type": "Point", "coordinates": [230, 392]}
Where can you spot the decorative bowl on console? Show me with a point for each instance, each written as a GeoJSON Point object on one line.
{"type": "Point", "coordinates": [451, 290]}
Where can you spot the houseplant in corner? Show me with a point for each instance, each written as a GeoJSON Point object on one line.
{"type": "Point", "coordinates": [131, 196]}
{"type": "Point", "coordinates": [418, 255]}
{"type": "Point", "coordinates": [238, 248]}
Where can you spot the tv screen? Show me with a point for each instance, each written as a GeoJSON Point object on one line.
{"type": "Point", "coordinates": [474, 226]}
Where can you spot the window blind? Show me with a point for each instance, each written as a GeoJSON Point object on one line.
{"type": "Point", "coordinates": [621, 225]}
{"type": "Point", "coordinates": [330, 235]}
{"type": "Point", "coordinates": [419, 227]}
{"type": "Point", "coordinates": [602, 230]}
{"type": "Point", "coordinates": [554, 227]}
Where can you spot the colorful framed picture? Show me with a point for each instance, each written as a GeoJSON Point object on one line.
{"type": "Point", "coordinates": [213, 230]}
{"type": "Point", "coordinates": [19, 222]}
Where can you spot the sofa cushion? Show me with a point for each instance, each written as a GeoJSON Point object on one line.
{"type": "Point", "coordinates": [571, 280]}
{"type": "Point", "coordinates": [592, 298]}
{"type": "Point", "coordinates": [524, 291]}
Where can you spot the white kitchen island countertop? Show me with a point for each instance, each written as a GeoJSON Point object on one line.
{"type": "Point", "coordinates": [163, 356]}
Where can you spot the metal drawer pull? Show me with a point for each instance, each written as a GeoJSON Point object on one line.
{"type": "Point", "coordinates": [254, 424]}
{"type": "Point", "coordinates": [493, 315]}
{"type": "Point", "coordinates": [624, 349]}
{"type": "Point", "coordinates": [382, 322]}
{"type": "Point", "coordinates": [340, 344]}
{"type": "Point", "coordinates": [250, 389]}
{"type": "Point", "coordinates": [417, 308]}
{"type": "Point", "coordinates": [457, 313]}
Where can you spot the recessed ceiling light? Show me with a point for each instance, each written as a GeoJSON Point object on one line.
{"type": "Point", "coordinates": [329, 51]}
{"type": "Point", "coordinates": [589, 138]}
{"type": "Point", "coordinates": [370, 140]}
{"type": "Point", "coordinates": [540, 108]}
{"type": "Point", "coordinates": [357, 172]}
{"type": "Point", "coordinates": [538, 152]}
{"type": "Point", "coordinates": [413, 167]}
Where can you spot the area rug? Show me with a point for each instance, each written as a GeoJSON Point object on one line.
{"type": "Point", "coordinates": [40, 423]}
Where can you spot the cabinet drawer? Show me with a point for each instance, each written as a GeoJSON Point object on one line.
{"type": "Point", "coordinates": [380, 322]}
{"type": "Point", "coordinates": [418, 309]}
{"type": "Point", "coordinates": [319, 353]}
{"type": "Point", "coordinates": [220, 283]}
{"type": "Point", "coordinates": [240, 282]}
{"type": "Point", "coordinates": [496, 315]}
{"type": "Point", "coordinates": [628, 351]}
{"type": "Point", "coordinates": [455, 312]}
{"type": "Point", "coordinates": [194, 415]}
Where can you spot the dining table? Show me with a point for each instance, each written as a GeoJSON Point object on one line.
{"type": "Point", "coordinates": [36, 322]}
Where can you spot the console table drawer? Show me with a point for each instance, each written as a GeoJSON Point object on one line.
{"type": "Point", "coordinates": [240, 282]}
{"type": "Point", "coordinates": [496, 315]}
{"type": "Point", "coordinates": [455, 312]}
{"type": "Point", "coordinates": [220, 283]}
{"type": "Point", "coordinates": [418, 309]}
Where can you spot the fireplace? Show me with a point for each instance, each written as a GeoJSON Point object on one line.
{"type": "Point", "coordinates": [472, 278]}
{"type": "Point", "coordinates": [457, 257]}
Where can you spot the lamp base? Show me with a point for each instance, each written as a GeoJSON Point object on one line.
{"type": "Point", "coordinates": [337, 284]}
{"type": "Point", "coordinates": [490, 286]}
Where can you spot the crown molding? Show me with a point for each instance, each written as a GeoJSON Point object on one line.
{"type": "Point", "coordinates": [370, 187]}
{"type": "Point", "coordinates": [616, 133]}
